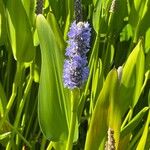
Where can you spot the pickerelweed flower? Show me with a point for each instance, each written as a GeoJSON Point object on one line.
{"type": "Point", "coordinates": [75, 67]}
{"type": "Point", "coordinates": [110, 144]}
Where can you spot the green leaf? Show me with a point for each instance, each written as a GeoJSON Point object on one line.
{"type": "Point", "coordinates": [138, 17]}
{"type": "Point", "coordinates": [19, 31]}
{"type": "Point", "coordinates": [147, 145]}
{"type": "Point", "coordinates": [97, 81]}
{"type": "Point", "coordinates": [144, 24]}
{"type": "Point", "coordinates": [3, 100]}
{"type": "Point", "coordinates": [52, 109]}
{"type": "Point", "coordinates": [99, 121]}
{"type": "Point", "coordinates": [119, 14]}
{"type": "Point", "coordinates": [55, 27]}
{"type": "Point", "coordinates": [96, 15]}
{"type": "Point", "coordinates": [126, 33]}
{"type": "Point", "coordinates": [134, 122]}
{"type": "Point", "coordinates": [58, 7]}
{"type": "Point", "coordinates": [147, 62]}
{"type": "Point", "coordinates": [132, 78]}
{"type": "Point", "coordinates": [142, 142]}
{"type": "Point", "coordinates": [2, 24]}
{"type": "Point", "coordinates": [29, 6]}
{"type": "Point", "coordinates": [144, 137]}
{"type": "Point", "coordinates": [107, 57]}
{"type": "Point", "coordinates": [136, 13]}
{"type": "Point", "coordinates": [4, 135]}
{"type": "Point", "coordinates": [100, 14]}
{"type": "Point", "coordinates": [147, 43]}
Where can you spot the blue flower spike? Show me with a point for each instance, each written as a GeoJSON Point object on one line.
{"type": "Point", "coordinates": [76, 70]}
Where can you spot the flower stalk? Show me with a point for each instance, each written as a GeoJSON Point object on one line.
{"type": "Point", "coordinates": [74, 107]}
{"type": "Point", "coordinates": [76, 71]}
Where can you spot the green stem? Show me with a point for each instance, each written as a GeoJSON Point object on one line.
{"type": "Point", "coordinates": [8, 73]}
{"type": "Point", "coordinates": [43, 143]}
{"type": "Point", "coordinates": [126, 120]}
{"type": "Point", "coordinates": [74, 107]}
{"type": "Point", "coordinates": [30, 121]}
{"type": "Point", "coordinates": [70, 12]}
{"type": "Point", "coordinates": [50, 146]}
{"type": "Point", "coordinates": [71, 132]}
{"type": "Point", "coordinates": [20, 88]}
{"type": "Point", "coordinates": [14, 92]}
{"type": "Point", "coordinates": [23, 100]}
{"type": "Point", "coordinates": [92, 62]}
{"type": "Point", "coordinates": [135, 139]}
{"type": "Point", "coordinates": [20, 135]}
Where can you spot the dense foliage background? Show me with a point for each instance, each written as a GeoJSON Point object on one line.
{"type": "Point", "coordinates": [35, 108]}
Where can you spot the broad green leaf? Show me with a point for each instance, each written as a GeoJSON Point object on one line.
{"type": "Point", "coordinates": [132, 78]}
{"type": "Point", "coordinates": [99, 122]}
{"type": "Point", "coordinates": [114, 115]}
{"type": "Point", "coordinates": [138, 17]}
{"type": "Point", "coordinates": [58, 34]}
{"type": "Point", "coordinates": [51, 108]}
{"type": "Point", "coordinates": [29, 6]}
{"type": "Point", "coordinates": [100, 14]}
{"type": "Point", "coordinates": [19, 31]}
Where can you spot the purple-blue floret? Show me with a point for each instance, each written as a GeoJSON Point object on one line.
{"type": "Point", "coordinates": [76, 71]}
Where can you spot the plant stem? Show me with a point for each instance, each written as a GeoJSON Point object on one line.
{"type": "Point", "coordinates": [71, 131]}
{"type": "Point", "coordinates": [14, 92]}
{"type": "Point", "coordinates": [20, 135]}
{"type": "Point", "coordinates": [23, 100]}
{"type": "Point", "coordinates": [74, 107]}
{"type": "Point", "coordinates": [43, 143]}
{"type": "Point", "coordinates": [50, 146]}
